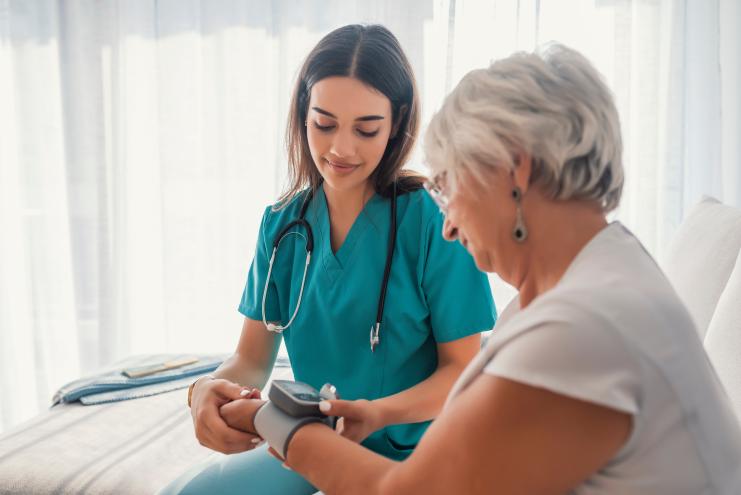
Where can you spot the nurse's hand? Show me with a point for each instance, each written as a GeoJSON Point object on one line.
{"type": "Point", "coordinates": [358, 418]}
{"type": "Point", "coordinates": [239, 414]}
{"type": "Point", "coordinates": [211, 429]}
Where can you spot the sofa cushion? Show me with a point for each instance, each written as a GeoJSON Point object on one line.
{"type": "Point", "coordinates": [702, 255]}
{"type": "Point", "coordinates": [723, 340]}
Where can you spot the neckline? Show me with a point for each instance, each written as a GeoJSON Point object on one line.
{"type": "Point", "coordinates": [583, 253]}
{"type": "Point", "coordinates": [339, 259]}
{"type": "Point", "coordinates": [594, 243]}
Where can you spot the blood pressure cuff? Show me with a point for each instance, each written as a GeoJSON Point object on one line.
{"type": "Point", "coordinates": [278, 427]}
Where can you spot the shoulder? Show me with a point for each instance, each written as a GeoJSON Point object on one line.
{"type": "Point", "coordinates": [279, 214]}
{"type": "Point", "coordinates": [420, 199]}
{"type": "Point", "coordinates": [422, 208]}
{"type": "Point", "coordinates": [617, 280]}
{"type": "Point", "coordinates": [567, 349]}
{"type": "Point", "coordinates": [605, 324]}
{"type": "Point", "coordinates": [563, 309]}
{"type": "Point", "coordinates": [566, 324]}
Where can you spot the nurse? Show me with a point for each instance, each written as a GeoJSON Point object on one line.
{"type": "Point", "coordinates": [351, 127]}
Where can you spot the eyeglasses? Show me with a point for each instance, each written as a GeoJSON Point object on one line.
{"type": "Point", "coordinates": [436, 187]}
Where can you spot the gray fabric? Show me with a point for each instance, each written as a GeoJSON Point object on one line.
{"type": "Point", "coordinates": [129, 447]}
{"type": "Point", "coordinates": [277, 427]}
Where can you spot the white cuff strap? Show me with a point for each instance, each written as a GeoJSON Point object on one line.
{"type": "Point", "coordinates": [278, 428]}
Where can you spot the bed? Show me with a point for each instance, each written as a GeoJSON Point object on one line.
{"type": "Point", "coordinates": [129, 447]}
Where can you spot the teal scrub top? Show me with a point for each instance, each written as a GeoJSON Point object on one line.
{"type": "Point", "coordinates": [435, 295]}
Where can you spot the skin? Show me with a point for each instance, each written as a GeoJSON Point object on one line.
{"type": "Point", "coordinates": [497, 434]}
{"type": "Point", "coordinates": [348, 127]}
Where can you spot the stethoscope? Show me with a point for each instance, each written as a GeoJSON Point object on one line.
{"type": "Point", "coordinates": [309, 238]}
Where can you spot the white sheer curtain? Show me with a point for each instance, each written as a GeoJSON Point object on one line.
{"type": "Point", "coordinates": [140, 141]}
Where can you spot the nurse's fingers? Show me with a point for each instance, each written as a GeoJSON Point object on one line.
{"type": "Point", "coordinates": [248, 393]}
{"type": "Point", "coordinates": [228, 390]}
{"type": "Point", "coordinates": [345, 408]}
{"type": "Point", "coordinates": [340, 426]}
{"type": "Point", "coordinates": [214, 433]}
{"type": "Point", "coordinates": [229, 440]}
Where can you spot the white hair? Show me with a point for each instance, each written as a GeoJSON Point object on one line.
{"type": "Point", "coordinates": [552, 105]}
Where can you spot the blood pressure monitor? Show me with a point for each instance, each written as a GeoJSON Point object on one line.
{"type": "Point", "coordinates": [299, 399]}
{"type": "Point", "coordinates": [291, 406]}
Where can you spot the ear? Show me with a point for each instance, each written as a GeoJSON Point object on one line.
{"type": "Point", "coordinates": [402, 111]}
{"type": "Point", "coordinates": [522, 171]}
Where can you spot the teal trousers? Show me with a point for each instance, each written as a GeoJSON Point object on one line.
{"type": "Point", "coordinates": [252, 472]}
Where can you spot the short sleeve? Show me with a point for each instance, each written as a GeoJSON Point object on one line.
{"type": "Point", "coordinates": [458, 294]}
{"type": "Point", "coordinates": [581, 359]}
{"type": "Point", "coordinates": [251, 303]}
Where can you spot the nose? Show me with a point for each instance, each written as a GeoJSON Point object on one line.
{"type": "Point", "coordinates": [450, 231]}
{"type": "Point", "coordinates": [343, 145]}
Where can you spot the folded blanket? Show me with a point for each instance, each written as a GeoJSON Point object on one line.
{"type": "Point", "coordinates": [96, 387]}
{"type": "Point", "coordinates": [138, 391]}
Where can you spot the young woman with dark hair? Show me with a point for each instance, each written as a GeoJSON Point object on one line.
{"type": "Point", "coordinates": [350, 268]}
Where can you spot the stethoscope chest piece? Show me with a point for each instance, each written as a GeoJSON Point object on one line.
{"type": "Point", "coordinates": [375, 339]}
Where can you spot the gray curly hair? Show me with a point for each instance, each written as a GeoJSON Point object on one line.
{"type": "Point", "coordinates": [551, 104]}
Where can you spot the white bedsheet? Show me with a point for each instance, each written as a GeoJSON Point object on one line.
{"type": "Point", "coordinates": [130, 447]}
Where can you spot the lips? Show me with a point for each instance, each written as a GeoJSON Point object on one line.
{"type": "Point", "coordinates": [341, 166]}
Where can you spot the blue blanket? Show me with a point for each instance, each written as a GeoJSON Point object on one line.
{"type": "Point", "coordinates": [112, 385]}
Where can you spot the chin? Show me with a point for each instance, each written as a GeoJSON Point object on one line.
{"type": "Point", "coordinates": [343, 183]}
{"type": "Point", "coordinates": [484, 266]}
{"type": "Point", "coordinates": [483, 261]}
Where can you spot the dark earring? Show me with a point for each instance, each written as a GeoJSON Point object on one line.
{"type": "Point", "coordinates": [519, 233]}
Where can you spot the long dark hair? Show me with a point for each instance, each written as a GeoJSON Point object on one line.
{"type": "Point", "coordinates": [372, 55]}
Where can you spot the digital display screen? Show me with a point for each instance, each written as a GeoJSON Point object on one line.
{"type": "Point", "coordinates": [308, 397]}
{"type": "Point", "coordinates": [302, 392]}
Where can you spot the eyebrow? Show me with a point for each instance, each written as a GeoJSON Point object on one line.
{"type": "Point", "coordinates": [364, 118]}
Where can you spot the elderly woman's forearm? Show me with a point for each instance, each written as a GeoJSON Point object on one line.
{"type": "Point", "coordinates": [354, 469]}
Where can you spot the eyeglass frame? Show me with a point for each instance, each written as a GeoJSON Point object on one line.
{"type": "Point", "coordinates": [436, 188]}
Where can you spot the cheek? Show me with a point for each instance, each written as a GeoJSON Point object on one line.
{"type": "Point", "coordinates": [482, 231]}
{"type": "Point", "coordinates": [317, 144]}
{"type": "Point", "coordinates": [472, 224]}
{"type": "Point", "coordinates": [372, 151]}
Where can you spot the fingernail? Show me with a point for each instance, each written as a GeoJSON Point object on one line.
{"type": "Point", "coordinates": [244, 393]}
{"type": "Point", "coordinates": [325, 406]}
{"type": "Point", "coordinates": [285, 466]}
{"type": "Point", "coordinates": [256, 440]}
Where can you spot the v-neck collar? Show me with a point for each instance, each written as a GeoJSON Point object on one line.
{"type": "Point", "coordinates": [334, 263]}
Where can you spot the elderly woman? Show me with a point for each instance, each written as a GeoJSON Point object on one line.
{"type": "Point", "coordinates": [594, 380]}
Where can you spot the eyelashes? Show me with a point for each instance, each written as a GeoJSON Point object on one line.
{"type": "Point", "coordinates": [329, 128]}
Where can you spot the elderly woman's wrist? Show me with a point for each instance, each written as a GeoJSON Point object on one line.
{"type": "Point", "coordinates": [251, 417]}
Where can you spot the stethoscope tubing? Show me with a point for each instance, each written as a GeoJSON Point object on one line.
{"type": "Point", "coordinates": [309, 238]}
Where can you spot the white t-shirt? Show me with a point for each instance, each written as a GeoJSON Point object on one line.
{"type": "Point", "coordinates": [613, 332]}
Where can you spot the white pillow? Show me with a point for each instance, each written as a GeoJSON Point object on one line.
{"type": "Point", "coordinates": [723, 341]}
{"type": "Point", "coordinates": [701, 256]}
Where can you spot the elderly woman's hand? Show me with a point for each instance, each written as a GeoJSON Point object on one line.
{"type": "Point", "coordinates": [239, 414]}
